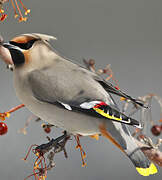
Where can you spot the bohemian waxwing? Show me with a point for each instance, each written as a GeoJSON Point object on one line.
{"type": "Point", "coordinates": [69, 96]}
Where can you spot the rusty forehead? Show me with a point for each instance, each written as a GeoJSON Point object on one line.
{"type": "Point", "coordinates": [22, 39]}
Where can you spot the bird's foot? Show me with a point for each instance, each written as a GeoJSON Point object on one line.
{"type": "Point", "coordinates": [82, 152]}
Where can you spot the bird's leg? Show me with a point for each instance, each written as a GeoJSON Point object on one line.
{"type": "Point", "coordinates": [83, 154]}
{"type": "Point", "coordinates": [7, 114]}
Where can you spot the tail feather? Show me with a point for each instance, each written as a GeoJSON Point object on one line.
{"type": "Point", "coordinates": [142, 164]}
{"type": "Point", "coordinates": [147, 171]}
{"type": "Point", "coordinates": [119, 135]}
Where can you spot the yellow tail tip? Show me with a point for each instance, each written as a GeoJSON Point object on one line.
{"type": "Point", "coordinates": [147, 171]}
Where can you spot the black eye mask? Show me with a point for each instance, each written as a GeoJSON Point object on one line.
{"type": "Point", "coordinates": [17, 57]}
{"type": "Point", "coordinates": [25, 46]}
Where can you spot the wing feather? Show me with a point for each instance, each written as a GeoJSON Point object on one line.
{"type": "Point", "coordinates": [110, 88]}
{"type": "Point", "coordinates": [46, 87]}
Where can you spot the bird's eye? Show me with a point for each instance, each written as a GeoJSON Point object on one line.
{"type": "Point", "coordinates": [25, 46]}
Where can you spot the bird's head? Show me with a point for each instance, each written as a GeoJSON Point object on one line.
{"type": "Point", "coordinates": [28, 50]}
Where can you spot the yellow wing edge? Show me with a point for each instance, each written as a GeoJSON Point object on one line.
{"type": "Point", "coordinates": [107, 115]}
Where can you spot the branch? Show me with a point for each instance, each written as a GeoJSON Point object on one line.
{"type": "Point", "coordinates": [152, 153]}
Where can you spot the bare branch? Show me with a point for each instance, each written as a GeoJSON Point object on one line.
{"type": "Point", "coordinates": [152, 153]}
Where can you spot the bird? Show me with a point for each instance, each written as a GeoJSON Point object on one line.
{"type": "Point", "coordinates": [69, 96]}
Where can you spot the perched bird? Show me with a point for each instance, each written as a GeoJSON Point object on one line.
{"type": "Point", "coordinates": [71, 97]}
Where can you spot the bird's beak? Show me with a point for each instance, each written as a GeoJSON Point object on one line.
{"type": "Point", "coordinates": [5, 54]}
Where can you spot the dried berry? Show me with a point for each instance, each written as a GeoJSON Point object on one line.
{"type": "Point", "coordinates": [47, 129]}
{"type": "Point", "coordinates": [156, 130]}
{"type": "Point", "coordinates": [3, 128]}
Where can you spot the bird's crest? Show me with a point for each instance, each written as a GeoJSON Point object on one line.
{"type": "Point", "coordinates": [43, 37]}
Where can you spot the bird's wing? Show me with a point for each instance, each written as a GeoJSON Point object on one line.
{"type": "Point", "coordinates": [110, 88]}
{"type": "Point", "coordinates": [74, 96]}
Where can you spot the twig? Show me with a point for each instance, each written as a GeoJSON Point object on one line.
{"type": "Point", "coordinates": [154, 154]}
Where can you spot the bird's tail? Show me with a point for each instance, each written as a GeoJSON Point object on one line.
{"type": "Point", "coordinates": [142, 164]}
{"type": "Point", "coordinates": [119, 135]}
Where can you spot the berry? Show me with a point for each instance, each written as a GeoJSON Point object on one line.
{"type": "Point", "coordinates": [156, 130]}
{"type": "Point", "coordinates": [3, 128]}
{"type": "Point", "coordinates": [47, 129]}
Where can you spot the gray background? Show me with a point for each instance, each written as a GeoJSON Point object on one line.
{"type": "Point", "coordinates": [124, 33]}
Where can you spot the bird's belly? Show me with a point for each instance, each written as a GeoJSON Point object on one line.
{"type": "Point", "coordinates": [73, 122]}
